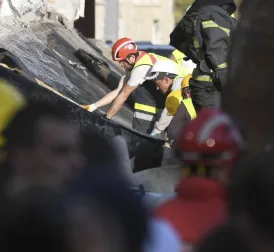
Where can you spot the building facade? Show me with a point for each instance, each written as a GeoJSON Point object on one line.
{"type": "Point", "coordinates": [141, 20]}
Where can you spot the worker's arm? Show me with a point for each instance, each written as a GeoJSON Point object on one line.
{"type": "Point", "coordinates": [180, 119]}
{"type": "Point", "coordinates": [216, 41]}
{"type": "Point", "coordinates": [120, 100]}
{"type": "Point", "coordinates": [137, 77]}
{"type": "Point", "coordinates": [165, 119]}
{"type": "Point", "coordinates": [162, 123]}
{"type": "Point", "coordinates": [107, 99]}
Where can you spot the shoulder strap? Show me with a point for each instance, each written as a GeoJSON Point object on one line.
{"type": "Point", "coordinates": [148, 60]}
{"type": "Point", "coordinates": [141, 55]}
{"type": "Point", "coordinates": [190, 108]}
{"type": "Point", "coordinates": [153, 59]}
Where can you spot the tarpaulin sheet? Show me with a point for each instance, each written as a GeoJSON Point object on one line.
{"type": "Point", "coordinates": [85, 121]}
{"type": "Point", "coordinates": [46, 52]}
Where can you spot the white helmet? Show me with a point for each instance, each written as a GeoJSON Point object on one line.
{"type": "Point", "coordinates": [168, 67]}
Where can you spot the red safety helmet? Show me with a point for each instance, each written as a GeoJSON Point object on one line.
{"type": "Point", "coordinates": [122, 48]}
{"type": "Point", "coordinates": [211, 139]}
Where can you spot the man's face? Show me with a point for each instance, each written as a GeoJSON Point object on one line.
{"type": "Point", "coordinates": [55, 156]}
{"type": "Point", "coordinates": [163, 84]}
{"type": "Point", "coordinates": [186, 93]}
{"type": "Point", "coordinates": [128, 63]}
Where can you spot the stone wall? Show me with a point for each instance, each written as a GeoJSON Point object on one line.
{"type": "Point", "coordinates": [146, 20]}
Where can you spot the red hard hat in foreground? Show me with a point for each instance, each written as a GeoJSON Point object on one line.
{"type": "Point", "coordinates": [210, 139]}
{"type": "Point", "coordinates": [122, 48]}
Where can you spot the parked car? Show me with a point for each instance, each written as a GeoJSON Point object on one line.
{"type": "Point", "coordinates": [163, 50]}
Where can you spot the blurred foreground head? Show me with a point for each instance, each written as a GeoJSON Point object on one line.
{"type": "Point", "coordinates": [34, 220]}
{"type": "Point", "coordinates": [101, 154]}
{"type": "Point", "coordinates": [210, 145]}
{"type": "Point", "coordinates": [41, 146]}
{"type": "Point", "coordinates": [106, 218]}
{"type": "Point", "coordinates": [122, 215]}
{"type": "Point", "coordinates": [209, 148]}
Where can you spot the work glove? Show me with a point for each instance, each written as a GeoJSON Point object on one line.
{"type": "Point", "coordinates": [90, 108]}
{"type": "Point", "coordinates": [155, 132]}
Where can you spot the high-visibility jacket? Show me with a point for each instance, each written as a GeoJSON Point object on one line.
{"type": "Point", "coordinates": [178, 56]}
{"type": "Point", "coordinates": [147, 59]}
{"type": "Point", "coordinates": [149, 102]}
{"type": "Point", "coordinates": [188, 66]}
{"type": "Point", "coordinates": [151, 58]}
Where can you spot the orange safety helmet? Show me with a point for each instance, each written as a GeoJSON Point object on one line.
{"type": "Point", "coordinates": [122, 48]}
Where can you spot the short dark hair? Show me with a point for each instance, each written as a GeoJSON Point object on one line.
{"type": "Point", "coordinates": [34, 220]}
{"type": "Point", "coordinates": [23, 128]}
{"type": "Point", "coordinates": [113, 193]}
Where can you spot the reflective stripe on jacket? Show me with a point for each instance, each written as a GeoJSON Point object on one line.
{"type": "Point", "coordinates": [145, 106]}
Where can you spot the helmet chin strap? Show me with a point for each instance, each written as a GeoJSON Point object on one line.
{"type": "Point", "coordinates": [131, 64]}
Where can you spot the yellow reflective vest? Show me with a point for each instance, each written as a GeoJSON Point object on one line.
{"type": "Point", "coordinates": [144, 106]}
{"type": "Point", "coordinates": [187, 102]}
{"type": "Point", "coordinates": [190, 108]}
{"type": "Point", "coordinates": [145, 110]}
{"type": "Point", "coordinates": [151, 58]}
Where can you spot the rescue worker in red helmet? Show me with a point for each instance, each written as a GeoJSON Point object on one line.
{"type": "Point", "coordinates": [208, 149]}
{"type": "Point", "coordinates": [148, 101]}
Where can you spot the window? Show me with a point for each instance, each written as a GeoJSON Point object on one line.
{"type": "Point", "coordinates": [156, 32]}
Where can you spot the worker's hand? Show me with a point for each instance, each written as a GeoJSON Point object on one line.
{"type": "Point", "coordinates": [90, 108]}
{"type": "Point", "coordinates": [155, 132]}
{"type": "Point", "coordinates": [105, 117]}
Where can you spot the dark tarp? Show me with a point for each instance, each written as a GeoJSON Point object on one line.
{"type": "Point", "coordinates": [61, 46]}
{"type": "Point", "coordinates": [84, 120]}
{"type": "Point", "coordinates": [32, 56]}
